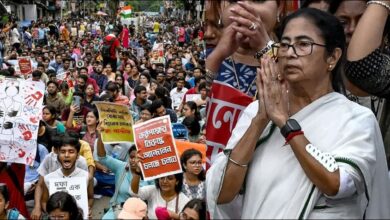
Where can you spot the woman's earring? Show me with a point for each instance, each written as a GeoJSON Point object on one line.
{"type": "Point", "coordinates": [219, 22]}
{"type": "Point", "coordinates": [330, 68]}
{"type": "Point", "coordinates": [278, 19]}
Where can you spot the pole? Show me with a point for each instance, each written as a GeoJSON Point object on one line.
{"type": "Point", "coordinates": [61, 10]}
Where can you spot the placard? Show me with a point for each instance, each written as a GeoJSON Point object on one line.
{"type": "Point", "coordinates": [76, 187]}
{"type": "Point", "coordinates": [193, 97]}
{"type": "Point", "coordinates": [117, 122]}
{"type": "Point", "coordinates": [155, 142]}
{"type": "Point", "coordinates": [25, 66]}
{"type": "Point", "coordinates": [20, 112]}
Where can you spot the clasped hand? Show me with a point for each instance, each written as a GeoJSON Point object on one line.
{"type": "Point", "coordinates": [273, 93]}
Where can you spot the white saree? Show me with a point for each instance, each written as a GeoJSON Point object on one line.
{"type": "Point", "coordinates": [276, 185]}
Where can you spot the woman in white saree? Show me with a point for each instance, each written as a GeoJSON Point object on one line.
{"type": "Point", "coordinates": [303, 150]}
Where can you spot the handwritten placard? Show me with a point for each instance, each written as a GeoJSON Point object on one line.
{"type": "Point", "coordinates": [20, 112]}
{"type": "Point", "coordinates": [155, 141]}
{"type": "Point", "coordinates": [76, 187]}
{"type": "Point", "coordinates": [117, 122]}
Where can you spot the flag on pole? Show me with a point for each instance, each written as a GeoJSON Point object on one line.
{"type": "Point", "coordinates": [126, 11]}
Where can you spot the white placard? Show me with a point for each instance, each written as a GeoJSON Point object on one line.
{"type": "Point", "coordinates": [192, 97]}
{"type": "Point", "coordinates": [75, 186]}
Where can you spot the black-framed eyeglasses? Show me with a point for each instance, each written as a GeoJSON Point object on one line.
{"type": "Point", "coordinates": [300, 48]}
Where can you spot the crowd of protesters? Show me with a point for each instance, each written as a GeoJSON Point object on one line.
{"type": "Point", "coordinates": [154, 66]}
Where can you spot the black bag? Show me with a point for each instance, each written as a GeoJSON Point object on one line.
{"type": "Point", "coordinates": [107, 48]}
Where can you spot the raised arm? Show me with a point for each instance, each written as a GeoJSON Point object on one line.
{"type": "Point", "coordinates": [369, 31]}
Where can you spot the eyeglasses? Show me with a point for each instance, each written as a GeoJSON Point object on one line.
{"type": "Point", "coordinates": [300, 48]}
{"type": "Point", "coordinates": [193, 163]}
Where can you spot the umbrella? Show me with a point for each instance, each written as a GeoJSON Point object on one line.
{"type": "Point", "coordinates": [101, 13]}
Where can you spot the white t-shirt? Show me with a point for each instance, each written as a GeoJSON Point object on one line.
{"type": "Point", "coordinates": [177, 97]}
{"type": "Point", "coordinates": [58, 174]}
{"type": "Point", "coordinates": [153, 196]}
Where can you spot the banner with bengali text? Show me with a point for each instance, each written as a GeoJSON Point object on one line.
{"type": "Point", "coordinates": [223, 111]}
{"type": "Point", "coordinates": [117, 122]}
{"type": "Point", "coordinates": [76, 187]}
{"type": "Point", "coordinates": [154, 140]}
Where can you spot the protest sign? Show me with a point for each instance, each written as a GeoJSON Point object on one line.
{"type": "Point", "coordinates": [182, 146]}
{"type": "Point", "coordinates": [154, 140]}
{"type": "Point", "coordinates": [117, 122]}
{"type": "Point", "coordinates": [20, 112]}
{"type": "Point", "coordinates": [193, 97]}
{"type": "Point", "coordinates": [25, 66]}
{"type": "Point", "coordinates": [76, 187]}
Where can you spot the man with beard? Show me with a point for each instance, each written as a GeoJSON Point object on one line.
{"type": "Point", "coordinates": [141, 97]}
{"type": "Point", "coordinates": [52, 98]}
{"type": "Point", "coordinates": [68, 153]}
{"type": "Point", "coordinates": [99, 77]}
{"type": "Point", "coordinates": [162, 82]}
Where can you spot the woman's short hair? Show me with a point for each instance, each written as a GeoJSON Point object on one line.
{"type": "Point", "coordinates": [179, 177]}
{"type": "Point", "coordinates": [199, 206]}
{"type": "Point", "coordinates": [332, 32]}
{"type": "Point", "coordinates": [187, 154]}
{"type": "Point", "coordinates": [66, 203]}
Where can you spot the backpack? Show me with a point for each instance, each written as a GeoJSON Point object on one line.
{"type": "Point", "coordinates": [106, 48]}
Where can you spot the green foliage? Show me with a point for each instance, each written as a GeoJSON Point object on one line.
{"type": "Point", "coordinates": [145, 5]}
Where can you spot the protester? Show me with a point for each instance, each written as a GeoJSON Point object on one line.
{"type": "Point", "coordinates": [67, 157]}
{"type": "Point", "coordinates": [320, 164]}
{"type": "Point", "coordinates": [194, 174]}
{"type": "Point", "coordinates": [194, 209]}
{"type": "Point", "coordinates": [166, 193]}
{"type": "Point", "coordinates": [5, 212]}
{"type": "Point", "coordinates": [62, 205]}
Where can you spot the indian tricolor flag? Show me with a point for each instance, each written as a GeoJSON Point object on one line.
{"type": "Point", "coordinates": [126, 12]}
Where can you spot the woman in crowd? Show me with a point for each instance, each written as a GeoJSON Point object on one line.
{"type": "Point", "coordinates": [167, 192]}
{"type": "Point", "coordinates": [109, 73]}
{"type": "Point", "coordinates": [124, 172]}
{"type": "Point", "coordinates": [316, 173]}
{"type": "Point", "coordinates": [49, 116]}
{"type": "Point", "coordinates": [134, 77]}
{"type": "Point", "coordinates": [194, 174]}
{"type": "Point", "coordinates": [193, 126]}
{"type": "Point", "coordinates": [127, 71]}
{"type": "Point", "coordinates": [89, 132]}
{"type": "Point", "coordinates": [6, 213]}
{"type": "Point", "coordinates": [367, 69]}
{"type": "Point", "coordinates": [194, 209]}
{"type": "Point", "coordinates": [62, 205]}
{"type": "Point", "coordinates": [90, 97]}
{"type": "Point", "coordinates": [190, 109]}
{"type": "Point", "coordinates": [145, 113]}
{"type": "Point", "coordinates": [145, 80]}
{"type": "Point", "coordinates": [125, 88]}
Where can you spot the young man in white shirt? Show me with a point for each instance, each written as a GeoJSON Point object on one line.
{"type": "Point", "coordinates": [67, 156]}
